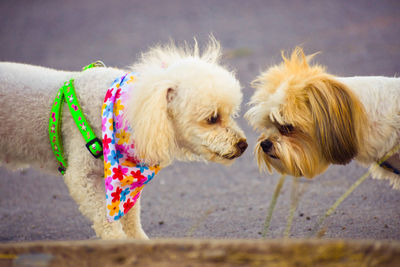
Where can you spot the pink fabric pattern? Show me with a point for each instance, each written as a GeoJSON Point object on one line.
{"type": "Point", "coordinates": [124, 174]}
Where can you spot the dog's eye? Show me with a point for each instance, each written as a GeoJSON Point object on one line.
{"type": "Point", "coordinates": [213, 120]}
{"type": "Point", "coordinates": [285, 129]}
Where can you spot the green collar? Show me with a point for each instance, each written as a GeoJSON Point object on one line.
{"type": "Point", "coordinates": [67, 94]}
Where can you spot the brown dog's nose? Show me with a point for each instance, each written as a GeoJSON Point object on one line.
{"type": "Point", "coordinates": [242, 145]}
{"type": "Point", "coordinates": [266, 145]}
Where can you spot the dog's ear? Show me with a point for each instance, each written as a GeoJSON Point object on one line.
{"type": "Point", "coordinates": [337, 117]}
{"type": "Point", "coordinates": [153, 133]}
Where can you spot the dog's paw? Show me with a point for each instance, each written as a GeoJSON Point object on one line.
{"type": "Point", "coordinates": [138, 234]}
{"type": "Point", "coordinates": [109, 230]}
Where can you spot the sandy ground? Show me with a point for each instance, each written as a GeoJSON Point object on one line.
{"type": "Point", "coordinates": [197, 199]}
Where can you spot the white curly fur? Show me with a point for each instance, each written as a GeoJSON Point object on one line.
{"type": "Point", "coordinates": [177, 92]}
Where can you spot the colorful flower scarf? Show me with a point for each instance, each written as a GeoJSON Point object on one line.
{"type": "Point", "coordinates": [124, 175]}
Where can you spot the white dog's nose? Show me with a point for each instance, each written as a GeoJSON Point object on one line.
{"type": "Point", "coordinates": [242, 145]}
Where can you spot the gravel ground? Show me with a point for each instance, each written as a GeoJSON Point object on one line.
{"type": "Point", "coordinates": [196, 199]}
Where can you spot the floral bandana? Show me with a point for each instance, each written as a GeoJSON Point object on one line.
{"type": "Point", "coordinates": [124, 175]}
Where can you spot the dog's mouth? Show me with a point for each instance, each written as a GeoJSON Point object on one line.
{"type": "Point", "coordinates": [229, 156]}
{"type": "Point", "coordinates": [273, 156]}
{"type": "Point", "coordinates": [220, 156]}
{"type": "Point", "coordinates": [270, 153]}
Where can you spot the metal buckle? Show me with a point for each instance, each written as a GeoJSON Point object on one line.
{"type": "Point", "coordinates": [99, 63]}
{"type": "Point", "coordinates": [91, 142]}
{"type": "Point", "coordinates": [61, 170]}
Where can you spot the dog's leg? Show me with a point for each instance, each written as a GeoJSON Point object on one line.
{"type": "Point", "coordinates": [89, 194]}
{"type": "Point", "coordinates": [86, 186]}
{"type": "Point", "coordinates": [131, 223]}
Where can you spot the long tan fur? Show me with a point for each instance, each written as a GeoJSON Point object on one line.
{"type": "Point", "coordinates": [325, 114]}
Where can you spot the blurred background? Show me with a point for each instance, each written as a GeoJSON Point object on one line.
{"type": "Point", "coordinates": [201, 200]}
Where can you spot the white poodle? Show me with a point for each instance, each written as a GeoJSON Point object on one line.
{"type": "Point", "coordinates": [183, 106]}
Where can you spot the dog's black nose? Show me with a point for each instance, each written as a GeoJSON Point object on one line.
{"type": "Point", "coordinates": [242, 145]}
{"type": "Point", "coordinates": [266, 145]}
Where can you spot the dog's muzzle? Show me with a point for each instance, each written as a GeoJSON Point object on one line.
{"type": "Point", "coordinates": [267, 147]}
{"type": "Point", "coordinates": [241, 146]}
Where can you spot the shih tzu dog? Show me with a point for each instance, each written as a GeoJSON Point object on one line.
{"type": "Point", "coordinates": [310, 119]}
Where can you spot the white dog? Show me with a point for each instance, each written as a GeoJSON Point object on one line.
{"type": "Point", "coordinates": [182, 106]}
{"type": "Point", "coordinates": [310, 119]}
